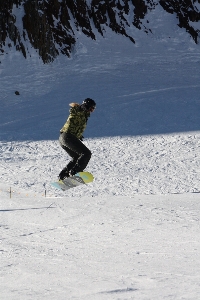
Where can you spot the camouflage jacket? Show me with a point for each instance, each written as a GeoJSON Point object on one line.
{"type": "Point", "coordinates": [77, 121]}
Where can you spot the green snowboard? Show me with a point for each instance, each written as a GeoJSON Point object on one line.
{"type": "Point", "coordinates": [73, 181]}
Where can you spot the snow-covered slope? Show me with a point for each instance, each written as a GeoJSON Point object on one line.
{"type": "Point", "coordinates": [147, 115]}
{"type": "Point", "coordinates": [112, 239]}
{"type": "Point", "coordinates": [100, 248]}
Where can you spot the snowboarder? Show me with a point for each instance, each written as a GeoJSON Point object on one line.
{"type": "Point", "coordinates": [71, 136]}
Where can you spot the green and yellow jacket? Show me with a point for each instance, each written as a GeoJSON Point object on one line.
{"type": "Point", "coordinates": [77, 120]}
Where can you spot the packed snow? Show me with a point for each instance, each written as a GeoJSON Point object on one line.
{"type": "Point", "coordinates": [134, 232]}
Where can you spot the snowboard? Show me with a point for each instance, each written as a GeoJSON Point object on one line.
{"type": "Point", "coordinates": [73, 181]}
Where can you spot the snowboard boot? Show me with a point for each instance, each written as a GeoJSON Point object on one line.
{"type": "Point", "coordinates": [75, 170]}
{"type": "Point", "coordinates": [63, 174]}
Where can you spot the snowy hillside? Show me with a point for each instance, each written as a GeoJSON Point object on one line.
{"type": "Point", "coordinates": [134, 232]}
{"type": "Point", "coordinates": [147, 115]}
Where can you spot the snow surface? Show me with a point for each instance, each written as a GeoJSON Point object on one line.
{"type": "Point", "coordinates": [134, 232]}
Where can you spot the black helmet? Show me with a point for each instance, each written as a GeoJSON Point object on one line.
{"type": "Point", "coordinates": [89, 104]}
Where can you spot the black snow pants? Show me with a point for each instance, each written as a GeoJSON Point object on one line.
{"type": "Point", "coordinates": [77, 150]}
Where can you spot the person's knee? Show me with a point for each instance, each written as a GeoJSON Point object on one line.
{"type": "Point", "coordinates": [88, 154]}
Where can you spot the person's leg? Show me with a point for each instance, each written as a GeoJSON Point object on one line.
{"type": "Point", "coordinates": [74, 157]}
{"type": "Point", "coordinates": [65, 171]}
{"type": "Point", "coordinates": [82, 161]}
{"type": "Point", "coordinates": [77, 150]}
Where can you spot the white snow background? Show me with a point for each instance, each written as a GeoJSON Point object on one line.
{"type": "Point", "coordinates": [134, 232]}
